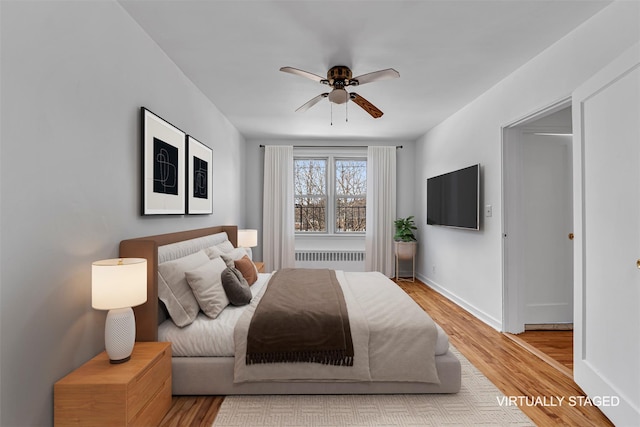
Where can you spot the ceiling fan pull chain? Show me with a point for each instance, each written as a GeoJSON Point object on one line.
{"type": "Point", "coordinates": [331, 105]}
{"type": "Point", "coordinates": [346, 109]}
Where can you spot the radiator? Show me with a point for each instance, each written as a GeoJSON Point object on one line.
{"type": "Point", "coordinates": [336, 260]}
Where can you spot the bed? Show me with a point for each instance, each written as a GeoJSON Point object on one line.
{"type": "Point", "coordinates": [207, 366]}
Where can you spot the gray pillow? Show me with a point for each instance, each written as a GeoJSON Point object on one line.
{"type": "Point", "coordinates": [236, 287]}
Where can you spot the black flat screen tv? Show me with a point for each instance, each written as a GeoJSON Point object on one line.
{"type": "Point", "coordinates": [453, 199]}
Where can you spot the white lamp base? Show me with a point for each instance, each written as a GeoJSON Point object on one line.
{"type": "Point", "coordinates": [120, 334]}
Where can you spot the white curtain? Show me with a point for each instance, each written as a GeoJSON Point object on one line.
{"type": "Point", "coordinates": [381, 209]}
{"type": "Point", "coordinates": [278, 229]}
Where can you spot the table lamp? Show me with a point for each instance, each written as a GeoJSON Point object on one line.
{"type": "Point", "coordinates": [117, 285]}
{"type": "Point", "coordinates": [247, 238]}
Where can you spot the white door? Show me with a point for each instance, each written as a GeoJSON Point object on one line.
{"type": "Point", "coordinates": [546, 223]}
{"type": "Point", "coordinates": [606, 124]}
{"type": "Point", "coordinates": [538, 218]}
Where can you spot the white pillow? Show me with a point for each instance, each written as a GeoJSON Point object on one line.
{"type": "Point", "coordinates": [225, 246]}
{"type": "Point", "coordinates": [206, 283]}
{"type": "Point", "coordinates": [237, 253]}
{"type": "Point", "coordinates": [233, 255]}
{"type": "Point", "coordinates": [174, 290]}
{"type": "Point", "coordinates": [213, 252]}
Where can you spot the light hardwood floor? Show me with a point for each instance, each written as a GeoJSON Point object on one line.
{"type": "Point", "coordinates": [512, 368]}
{"type": "Point", "coordinates": [556, 344]}
{"type": "Point", "coordinates": [554, 347]}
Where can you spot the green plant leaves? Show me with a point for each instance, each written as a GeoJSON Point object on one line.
{"type": "Point", "coordinates": [404, 229]}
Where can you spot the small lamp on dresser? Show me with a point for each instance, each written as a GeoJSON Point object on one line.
{"type": "Point", "coordinates": [117, 285]}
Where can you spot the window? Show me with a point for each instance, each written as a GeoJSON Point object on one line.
{"type": "Point", "coordinates": [330, 194]}
{"type": "Point", "coordinates": [350, 195]}
{"type": "Point", "coordinates": [310, 181]}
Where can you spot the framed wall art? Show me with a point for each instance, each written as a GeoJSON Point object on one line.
{"type": "Point", "coordinates": [199, 177]}
{"type": "Point", "coordinates": [163, 173]}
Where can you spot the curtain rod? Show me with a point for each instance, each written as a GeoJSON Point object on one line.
{"type": "Point", "coordinates": [332, 146]}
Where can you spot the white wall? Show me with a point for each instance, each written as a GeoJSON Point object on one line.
{"type": "Point", "coordinates": [74, 76]}
{"type": "Point", "coordinates": [254, 161]}
{"type": "Point", "coordinates": [468, 265]}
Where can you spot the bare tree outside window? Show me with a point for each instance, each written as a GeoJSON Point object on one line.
{"type": "Point", "coordinates": [351, 195]}
{"type": "Point", "coordinates": [310, 181]}
{"type": "Point", "coordinates": [330, 195]}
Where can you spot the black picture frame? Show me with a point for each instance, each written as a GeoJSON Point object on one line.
{"type": "Point", "coordinates": [199, 195]}
{"type": "Point", "coordinates": [163, 163]}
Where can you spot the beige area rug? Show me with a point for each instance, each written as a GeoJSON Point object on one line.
{"type": "Point", "coordinates": [476, 404]}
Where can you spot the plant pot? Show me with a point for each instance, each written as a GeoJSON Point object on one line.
{"type": "Point", "coordinates": [406, 250]}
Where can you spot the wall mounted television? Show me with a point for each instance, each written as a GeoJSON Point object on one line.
{"type": "Point", "coordinates": [453, 199]}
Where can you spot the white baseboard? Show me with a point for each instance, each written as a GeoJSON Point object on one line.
{"type": "Point", "coordinates": [489, 320]}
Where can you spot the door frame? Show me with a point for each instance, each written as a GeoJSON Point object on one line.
{"type": "Point", "coordinates": [512, 291]}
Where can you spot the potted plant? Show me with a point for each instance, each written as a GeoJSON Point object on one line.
{"type": "Point", "coordinates": [405, 240]}
{"type": "Point", "coordinates": [404, 229]}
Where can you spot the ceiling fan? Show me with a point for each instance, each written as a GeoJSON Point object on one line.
{"type": "Point", "coordinates": [339, 78]}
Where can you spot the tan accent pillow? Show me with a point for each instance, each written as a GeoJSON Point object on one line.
{"type": "Point", "coordinates": [206, 283]}
{"type": "Point", "coordinates": [248, 269]}
{"type": "Point", "coordinates": [174, 291]}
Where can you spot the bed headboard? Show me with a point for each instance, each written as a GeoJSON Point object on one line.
{"type": "Point", "coordinates": [147, 247]}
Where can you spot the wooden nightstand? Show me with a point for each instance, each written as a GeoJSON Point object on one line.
{"type": "Point", "coordinates": [98, 393]}
{"type": "Point", "coordinates": [259, 266]}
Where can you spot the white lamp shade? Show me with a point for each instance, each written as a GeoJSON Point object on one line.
{"type": "Point", "coordinates": [247, 238]}
{"type": "Point", "coordinates": [118, 283]}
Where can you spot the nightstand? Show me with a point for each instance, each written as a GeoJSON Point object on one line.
{"type": "Point", "coordinates": [259, 266]}
{"type": "Point", "coordinates": [99, 393]}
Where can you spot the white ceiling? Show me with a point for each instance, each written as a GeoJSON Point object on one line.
{"type": "Point", "coordinates": [447, 53]}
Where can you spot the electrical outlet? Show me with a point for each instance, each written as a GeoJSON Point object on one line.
{"type": "Point", "coordinates": [433, 269]}
{"type": "Point", "coordinates": [488, 211]}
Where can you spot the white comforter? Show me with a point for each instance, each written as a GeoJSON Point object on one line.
{"type": "Point", "coordinates": [393, 338]}
{"type": "Point", "coordinates": [207, 337]}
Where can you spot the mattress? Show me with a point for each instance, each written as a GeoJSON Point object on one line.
{"type": "Point", "coordinates": [207, 337]}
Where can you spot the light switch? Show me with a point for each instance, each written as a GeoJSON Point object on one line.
{"type": "Point", "coordinates": [488, 211]}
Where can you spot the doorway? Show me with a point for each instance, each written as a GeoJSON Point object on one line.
{"type": "Point", "coordinates": [538, 221]}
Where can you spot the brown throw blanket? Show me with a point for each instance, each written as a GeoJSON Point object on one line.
{"type": "Point", "coordinates": [302, 317]}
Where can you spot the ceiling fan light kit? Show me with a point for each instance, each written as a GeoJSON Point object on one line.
{"type": "Point", "coordinates": [339, 78]}
{"type": "Point", "coordinates": [338, 96]}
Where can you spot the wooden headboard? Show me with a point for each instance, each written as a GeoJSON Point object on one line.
{"type": "Point", "coordinates": [147, 247]}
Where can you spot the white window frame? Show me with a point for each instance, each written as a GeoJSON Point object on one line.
{"type": "Point", "coordinates": [326, 195]}
{"type": "Point", "coordinates": [337, 196]}
{"type": "Point", "coordinates": [331, 156]}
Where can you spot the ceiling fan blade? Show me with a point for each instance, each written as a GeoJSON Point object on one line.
{"type": "Point", "coordinates": [366, 105]}
{"type": "Point", "coordinates": [389, 73]}
{"type": "Point", "coordinates": [302, 73]}
{"type": "Point", "coordinates": [311, 102]}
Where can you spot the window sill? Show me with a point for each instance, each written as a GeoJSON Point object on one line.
{"type": "Point", "coordinates": [330, 235]}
